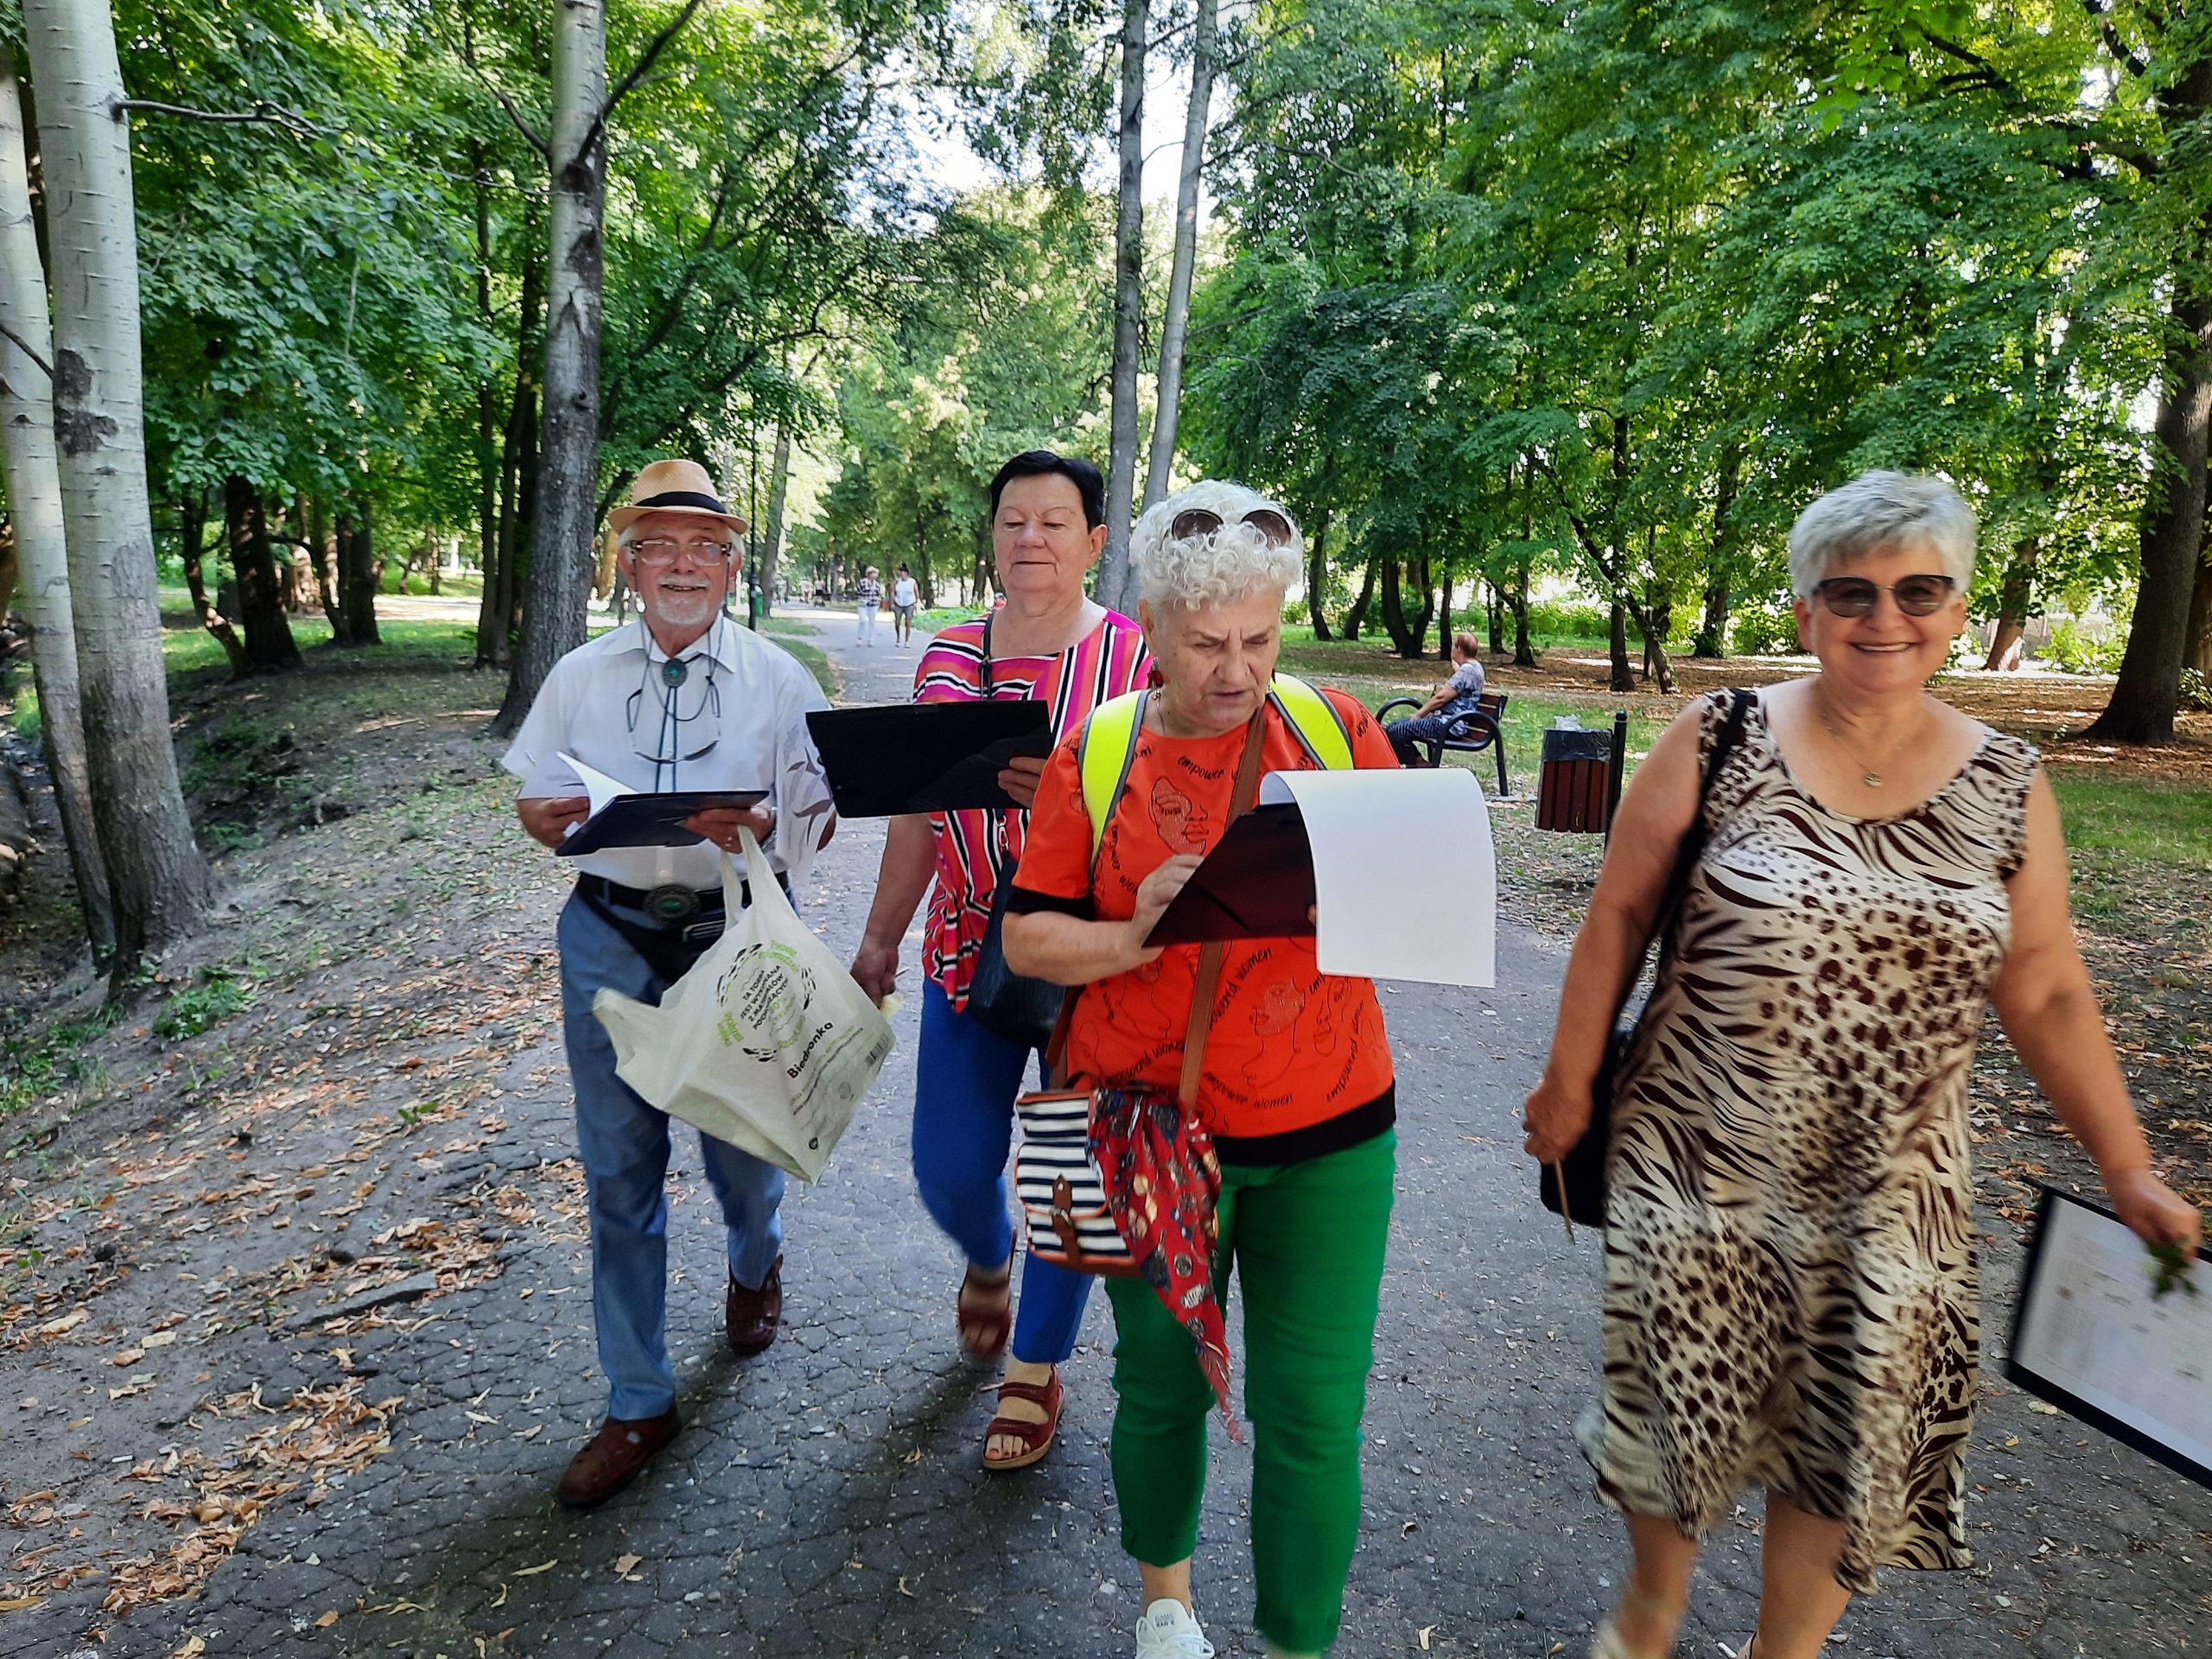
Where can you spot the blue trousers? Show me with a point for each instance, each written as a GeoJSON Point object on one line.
{"type": "Point", "coordinates": [1418, 728]}
{"type": "Point", "coordinates": [625, 1147]}
{"type": "Point", "coordinates": [965, 1082]}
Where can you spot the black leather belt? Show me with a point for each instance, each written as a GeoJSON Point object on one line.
{"type": "Point", "coordinates": [671, 907]}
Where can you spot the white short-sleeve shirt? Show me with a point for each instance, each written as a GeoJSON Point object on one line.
{"type": "Point", "coordinates": [608, 705]}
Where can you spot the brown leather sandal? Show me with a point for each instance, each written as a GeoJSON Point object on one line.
{"type": "Point", "coordinates": [1036, 1438]}
{"type": "Point", "coordinates": [984, 1311]}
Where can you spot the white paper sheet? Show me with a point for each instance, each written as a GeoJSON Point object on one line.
{"type": "Point", "coordinates": [1404, 874]}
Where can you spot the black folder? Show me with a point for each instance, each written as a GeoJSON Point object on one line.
{"type": "Point", "coordinates": [652, 820]}
{"type": "Point", "coordinates": [1257, 883]}
{"type": "Point", "coordinates": [927, 757]}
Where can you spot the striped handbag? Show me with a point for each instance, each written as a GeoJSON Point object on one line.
{"type": "Point", "coordinates": [1057, 1182]}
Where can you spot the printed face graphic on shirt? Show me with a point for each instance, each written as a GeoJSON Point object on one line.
{"type": "Point", "coordinates": [1181, 821]}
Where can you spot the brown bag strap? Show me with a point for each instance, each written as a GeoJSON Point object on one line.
{"type": "Point", "coordinates": [1211, 953]}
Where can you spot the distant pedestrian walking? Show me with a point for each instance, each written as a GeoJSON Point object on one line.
{"type": "Point", "coordinates": [1790, 1298]}
{"type": "Point", "coordinates": [905, 596]}
{"type": "Point", "coordinates": [1256, 1134]}
{"type": "Point", "coordinates": [1456, 698]}
{"type": "Point", "coordinates": [869, 595]}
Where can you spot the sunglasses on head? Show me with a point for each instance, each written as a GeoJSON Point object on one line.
{"type": "Point", "coordinates": [1854, 595]}
{"type": "Point", "coordinates": [1203, 521]}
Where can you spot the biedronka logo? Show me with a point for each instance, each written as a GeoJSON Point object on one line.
{"type": "Point", "coordinates": [765, 994]}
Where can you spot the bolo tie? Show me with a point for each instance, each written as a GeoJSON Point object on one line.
{"type": "Point", "coordinates": [669, 751]}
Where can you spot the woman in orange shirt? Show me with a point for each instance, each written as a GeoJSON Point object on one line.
{"type": "Point", "coordinates": [1295, 1099]}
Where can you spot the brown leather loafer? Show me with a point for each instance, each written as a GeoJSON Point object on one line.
{"type": "Point", "coordinates": [751, 1316]}
{"type": "Point", "coordinates": [622, 1447]}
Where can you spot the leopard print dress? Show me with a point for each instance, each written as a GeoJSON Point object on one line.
{"type": "Point", "coordinates": [1790, 1294]}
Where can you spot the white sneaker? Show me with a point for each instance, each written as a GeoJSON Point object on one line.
{"type": "Point", "coordinates": [1167, 1630]}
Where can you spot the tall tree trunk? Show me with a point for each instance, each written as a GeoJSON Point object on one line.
{"type": "Point", "coordinates": [1444, 623]}
{"type": "Point", "coordinates": [1356, 619]}
{"type": "Point", "coordinates": [1624, 675]}
{"type": "Point", "coordinates": [1494, 604]}
{"type": "Point", "coordinates": [1407, 630]}
{"type": "Point", "coordinates": [1524, 649]}
{"type": "Point", "coordinates": [780, 483]}
{"type": "Point", "coordinates": [269, 648]}
{"type": "Point", "coordinates": [1116, 582]}
{"type": "Point", "coordinates": [1317, 575]}
{"type": "Point", "coordinates": [159, 883]}
{"type": "Point", "coordinates": [1654, 620]}
{"type": "Point", "coordinates": [1169, 408]}
{"type": "Point", "coordinates": [488, 462]}
{"type": "Point", "coordinates": [1712, 641]}
{"type": "Point", "coordinates": [2014, 600]}
{"type": "Point", "coordinates": [495, 617]}
{"type": "Point", "coordinates": [323, 540]}
{"type": "Point", "coordinates": [562, 540]}
{"type": "Point", "coordinates": [195, 514]}
{"type": "Point", "coordinates": [361, 573]}
{"type": "Point", "coordinates": [2196, 653]}
{"type": "Point", "coordinates": [2149, 689]}
{"type": "Point", "coordinates": [33, 481]}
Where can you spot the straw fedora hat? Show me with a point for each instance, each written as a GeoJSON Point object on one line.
{"type": "Point", "coordinates": [674, 486]}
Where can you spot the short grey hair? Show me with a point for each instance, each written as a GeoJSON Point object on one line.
{"type": "Point", "coordinates": [1215, 567]}
{"type": "Point", "coordinates": [1879, 510]}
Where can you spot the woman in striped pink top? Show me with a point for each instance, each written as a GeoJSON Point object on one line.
{"type": "Point", "coordinates": [1049, 640]}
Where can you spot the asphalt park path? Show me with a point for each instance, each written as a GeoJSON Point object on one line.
{"type": "Point", "coordinates": [826, 1499]}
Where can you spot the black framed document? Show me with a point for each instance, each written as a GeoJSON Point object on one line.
{"type": "Point", "coordinates": [2089, 1337]}
{"type": "Point", "coordinates": [927, 757]}
{"type": "Point", "coordinates": [1257, 883]}
{"type": "Point", "coordinates": [652, 820]}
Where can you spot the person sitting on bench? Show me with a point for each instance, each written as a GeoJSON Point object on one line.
{"type": "Point", "coordinates": [1455, 699]}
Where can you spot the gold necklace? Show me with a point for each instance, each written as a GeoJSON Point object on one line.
{"type": "Point", "coordinates": [1867, 774]}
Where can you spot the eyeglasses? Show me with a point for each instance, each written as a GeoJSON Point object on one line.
{"type": "Point", "coordinates": [1854, 595]}
{"type": "Point", "coordinates": [662, 549]}
{"type": "Point", "coordinates": [1202, 521]}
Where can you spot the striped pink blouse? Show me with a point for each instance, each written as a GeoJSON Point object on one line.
{"type": "Point", "coordinates": [1109, 660]}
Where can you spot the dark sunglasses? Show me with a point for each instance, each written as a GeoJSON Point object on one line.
{"type": "Point", "coordinates": [1854, 595]}
{"type": "Point", "coordinates": [1201, 521]}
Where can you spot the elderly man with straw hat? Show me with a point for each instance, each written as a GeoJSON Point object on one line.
{"type": "Point", "coordinates": [682, 699]}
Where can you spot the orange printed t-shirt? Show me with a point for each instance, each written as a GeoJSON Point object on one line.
{"type": "Point", "coordinates": [1290, 1047]}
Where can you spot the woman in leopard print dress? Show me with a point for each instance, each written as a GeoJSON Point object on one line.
{"type": "Point", "coordinates": [1791, 1300]}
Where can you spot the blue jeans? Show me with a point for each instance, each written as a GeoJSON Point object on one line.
{"type": "Point", "coordinates": [965, 1082]}
{"type": "Point", "coordinates": [1418, 728]}
{"type": "Point", "coordinates": [625, 1147]}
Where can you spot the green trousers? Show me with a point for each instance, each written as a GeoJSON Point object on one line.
{"type": "Point", "coordinates": [1306, 1241]}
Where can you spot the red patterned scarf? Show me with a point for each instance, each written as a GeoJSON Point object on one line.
{"type": "Point", "coordinates": [1162, 1182]}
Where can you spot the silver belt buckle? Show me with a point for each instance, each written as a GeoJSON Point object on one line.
{"type": "Point", "coordinates": [672, 902]}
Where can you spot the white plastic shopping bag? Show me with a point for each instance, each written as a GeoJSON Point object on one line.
{"type": "Point", "coordinates": [767, 1043]}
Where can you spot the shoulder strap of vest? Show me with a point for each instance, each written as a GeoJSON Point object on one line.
{"type": "Point", "coordinates": [1103, 751]}
{"type": "Point", "coordinates": [1320, 728]}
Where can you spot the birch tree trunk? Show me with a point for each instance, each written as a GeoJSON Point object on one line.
{"type": "Point", "coordinates": [562, 544]}
{"type": "Point", "coordinates": [159, 884]}
{"type": "Point", "coordinates": [772, 550]}
{"type": "Point", "coordinates": [1116, 582]}
{"type": "Point", "coordinates": [33, 481]}
{"type": "Point", "coordinates": [1168, 408]}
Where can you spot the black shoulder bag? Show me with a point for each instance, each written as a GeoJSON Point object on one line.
{"type": "Point", "coordinates": [1576, 1186]}
{"type": "Point", "coordinates": [1005, 1003]}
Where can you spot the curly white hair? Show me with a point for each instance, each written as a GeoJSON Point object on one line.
{"type": "Point", "coordinates": [1212, 566]}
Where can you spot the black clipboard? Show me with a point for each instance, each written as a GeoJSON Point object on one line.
{"type": "Point", "coordinates": [2021, 1351]}
{"type": "Point", "coordinates": [652, 820]}
{"type": "Point", "coordinates": [898, 758]}
{"type": "Point", "coordinates": [1257, 883]}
